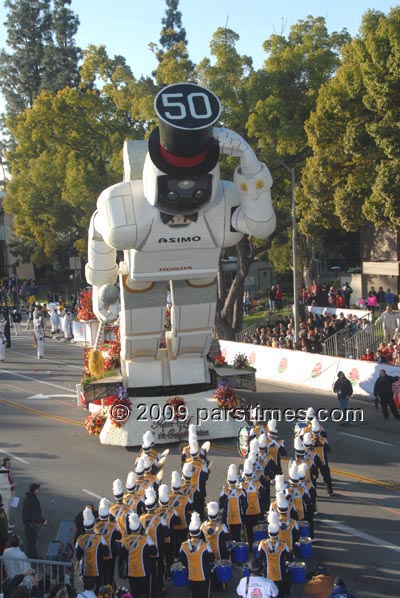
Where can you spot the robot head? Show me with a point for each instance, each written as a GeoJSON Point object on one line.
{"type": "Point", "coordinates": [181, 170]}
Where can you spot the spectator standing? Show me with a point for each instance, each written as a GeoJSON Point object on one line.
{"type": "Point", "coordinates": [389, 321]}
{"type": "Point", "coordinates": [372, 300]}
{"type": "Point", "coordinates": [278, 297]}
{"type": "Point", "coordinates": [389, 297]}
{"type": "Point", "coordinates": [7, 329]}
{"type": "Point", "coordinates": [7, 487]}
{"type": "Point", "coordinates": [15, 560]}
{"type": "Point", "coordinates": [38, 337]}
{"type": "Point", "coordinates": [3, 344]}
{"type": "Point", "coordinates": [17, 319]}
{"type": "Point", "coordinates": [271, 298]}
{"type": "Point", "coordinates": [383, 390]}
{"type": "Point", "coordinates": [246, 303]}
{"type": "Point", "coordinates": [344, 389]}
{"type": "Point", "coordinates": [3, 527]}
{"type": "Point", "coordinates": [381, 295]}
{"type": "Point", "coordinates": [347, 292]}
{"type": "Point", "coordinates": [32, 519]}
{"type": "Point", "coordinates": [315, 290]}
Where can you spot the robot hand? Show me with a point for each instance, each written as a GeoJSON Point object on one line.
{"type": "Point", "coordinates": [105, 303]}
{"type": "Point", "coordinates": [232, 144]}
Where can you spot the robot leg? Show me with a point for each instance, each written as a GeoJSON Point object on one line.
{"type": "Point", "coordinates": [142, 321]}
{"type": "Point", "coordinates": [192, 321]}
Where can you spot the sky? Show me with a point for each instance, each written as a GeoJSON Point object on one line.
{"type": "Point", "coordinates": [126, 27]}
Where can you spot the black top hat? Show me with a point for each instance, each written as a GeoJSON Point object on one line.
{"type": "Point", "coordinates": [183, 145]}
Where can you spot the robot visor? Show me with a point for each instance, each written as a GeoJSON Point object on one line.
{"type": "Point", "coordinates": [183, 196]}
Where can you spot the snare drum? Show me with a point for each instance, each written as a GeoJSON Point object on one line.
{"type": "Point", "coordinates": [240, 552]}
{"type": "Point", "coordinates": [179, 575]}
{"type": "Point", "coordinates": [223, 571]}
{"type": "Point", "coordinates": [260, 532]}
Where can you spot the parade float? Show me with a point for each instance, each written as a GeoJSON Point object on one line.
{"type": "Point", "coordinates": [171, 217]}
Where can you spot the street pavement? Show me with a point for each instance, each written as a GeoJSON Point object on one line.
{"type": "Point", "coordinates": [41, 427]}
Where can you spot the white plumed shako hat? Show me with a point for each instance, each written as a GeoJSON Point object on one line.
{"type": "Point", "coordinates": [262, 441]}
{"type": "Point", "coordinates": [104, 507]}
{"type": "Point", "coordinates": [212, 509]}
{"type": "Point", "coordinates": [134, 522]}
{"type": "Point", "coordinates": [279, 483]}
{"type": "Point", "coordinates": [88, 517]}
{"type": "Point", "coordinates": [193, 446]}
{"type": "Point", "coordinates": [150, 498]}
{"type": "Point", "coordinates": [281, 502]}
{"type": "Point", "coordinates": [195, 523]}
{"type": "Point", "coordinates": [131, 480]}
{"type": "Point", "coordinates": [248, 467]}
{"type": "Point", "coordinates": [302, 469]}
{"type": "Point", "coordinates": [118, 488]}
{"type": "Point", "coordinates": [148, 440]}
{"type": "Point", "coordinates": [293, 472]}
{"type": "Point", "coordinates": [187, 470]}
{"type": "Point", "coordinates": [163, 494]}
{"type": "Point", "coordinates": [298, 445]}
{"type": "Point", "coordinates": [272, 427]}
{"type": "Point", "coordinates": [310, 413]}
{"type": "Point", "coordinates": [175, 480]}
{"type": "Point", "coordinates": [146, 463]}
{"type": "Point", "coordinates": [307, 439]}
{"type": "Point", "coordinates": [315, 427]}
{"type": "Point", "coordinates": [139, 468]}
{"type": "Point", "coordinates": [273, 530]}
{"type": "Point", "coordinates": [232, 473]}
{"type": "Point", "coordinates": [254, 445]}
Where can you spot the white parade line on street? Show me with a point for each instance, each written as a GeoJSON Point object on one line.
{"type": "Point", "coordinates": [367, 439]}
{"type": "Point", "coordinates": [14, 457]}
{"type": "Point", "coordinates": [355, 532]}
{"type": "Point", "coordinates": [33, 379]}
{"type": "Point", "coordinates": [91, 493]}
{"type": "Point", "coordinates": [69, 365]}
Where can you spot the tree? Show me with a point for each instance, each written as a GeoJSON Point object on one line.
{"type": "Point", "coordinates": [174, 64]}
{"type": "Point", "coordinates": [353, 176]}
{"type": "Point", "coordinates": [61, 55]}
{"type": "Point", "coordinates": [43, 56]}
{"type": "Point", "coordinates": [295, 69]}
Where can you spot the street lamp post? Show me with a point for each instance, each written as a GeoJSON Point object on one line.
{"type": "Point", "coordinates": [294, 244]}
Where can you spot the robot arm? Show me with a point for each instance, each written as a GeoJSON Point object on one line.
{"type": "Point", "coordinates": [101, 270]}
{"type": "Point", "coordinates": [255, 216]}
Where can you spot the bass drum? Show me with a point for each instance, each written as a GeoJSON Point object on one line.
{"type": "Point", "coordinates": [243, 441]}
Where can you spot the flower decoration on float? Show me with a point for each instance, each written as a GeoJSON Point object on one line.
{"type": "Point", "coordinates": [219, 361]}
{"type": "Point", "coordinates": [225, 396]}
{"type": "Point", "coordinates": [178, 405]}
{"type": "Point", "coordinates": [241, 362]}
{"type": "Point", "coordinates": [94, 423]}
{"type": "Point", "coordinates": [85, 311]}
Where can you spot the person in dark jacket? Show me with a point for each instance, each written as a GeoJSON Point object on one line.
{"type": "Point", "coordinates": [344, 389]}
{"type": "Point", "coordinates": [7, 330]}
{"type": "Point", "coordinates": [32, 519]}
{"type": "Point", "coordinates": [383, 390]}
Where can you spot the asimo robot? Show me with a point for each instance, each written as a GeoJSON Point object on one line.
{"type": "Point", "coordinates": [171, 216]}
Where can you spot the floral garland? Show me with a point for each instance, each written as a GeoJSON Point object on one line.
{"type": "Point", "coordinates": [177, 405]}
{"type": "Point", "coordinates": [226, 398]}
{"type": "Point", "coordinates": [240, 362]}
{"type": "Point", "coordinates": [94, 422]}
{"type": "Point", "coordinates": [219, 361]}
{"type": "Point", "coordinates": [85, 311]}
{"type": "Point", "coordinates": [116, 406]}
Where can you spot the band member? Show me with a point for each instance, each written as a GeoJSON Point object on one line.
{"type": "Point", "coordinates": [301, 501]}
{"type": "Point", "coordinates": [321, 449]}
{"type": "Point", "coordinates": [118, 510]}
{"type": "Point", "coordinates": [309, 458]}
{"type": "Point", "coordinates": [90, 549]}
{"type": "Point", "coordinates": [309, 505]}
{"type": "Point", "coordinates": [275, 448]}
{"type": "Point", "coordinates": [167, 512]}
{"type": "Point", "coordinates": [197, 556]}
{"type": "Point", "coordinates": [183, 505]}
{"type": "Point", "coordinates": [288, 528]}
{"type": "Point", "coordinates": [107, 528]}
{"type": "Point", "coordinates": [274, 554]}
{"type": "Point", "coordinates": [132, 497]}
{"type": "Point", "coordinates": [155, 528]}
{"type": "Point", "coordinates": [256, 500]}
{"type": "Point", "coordinates": [137, 550]}
{"type": "Point", "coordinates": [200, 473]}
{"type": "Point", "coordinates": [233, 502]}
{"type": "Point", "coordinates": [215, 532]}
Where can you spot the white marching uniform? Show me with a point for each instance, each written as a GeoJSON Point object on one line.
{"type": "Point", "coordinates": [38, 331]}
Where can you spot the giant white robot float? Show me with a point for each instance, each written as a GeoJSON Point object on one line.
{"type": "Point", "coordinates": [171, 216]}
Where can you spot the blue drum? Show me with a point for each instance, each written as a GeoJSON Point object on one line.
{"type": "Point", "coordinates": [240, 552]}
{"type": "Point", "coordinates": [297, 572]}
{"type": "Point", "coordinates": [305, 548]}
{"type": "Point", "coordinates": [179, 575]}
{"type": "Point", "coordinates": [304, 529]}
{"type": "Point", "coordinates": [223, 571]}
{"type": "Point", "coordinates": [246, 571]}
{"type": "Point", "coordinates": [260, 532]}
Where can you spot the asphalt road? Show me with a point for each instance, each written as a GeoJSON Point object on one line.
{"type": "Point", "coordinates": [41, 427]}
